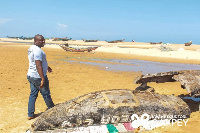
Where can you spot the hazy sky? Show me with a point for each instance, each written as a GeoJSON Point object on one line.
{"type": "Point", "coordinates": [172, 21]}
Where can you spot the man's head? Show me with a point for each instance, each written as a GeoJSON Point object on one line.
{"type": "Point", "coordinates": [39, 40]}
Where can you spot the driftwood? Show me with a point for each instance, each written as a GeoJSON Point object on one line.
{"type": "Point", "coordinates": [109, 106]}
{"type": "Point", "coordinates": [189, 79]}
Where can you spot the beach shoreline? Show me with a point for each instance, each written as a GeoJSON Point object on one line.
{"type": "Point", "coordinates": [70, 80]}
{"type": "Point", "coordinates": [173, 53]}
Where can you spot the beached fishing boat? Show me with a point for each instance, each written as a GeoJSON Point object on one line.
{"type": "Point", "coordinates": [115, 41]}
{"type": "Point", "coordinates": [109, 107]}
{"type": "Point", "coordinates": [188, 43]}
{"type": "Point", "coordinates": [75, 48]}
{"type": "Point", "coordinates": [189, 80]}
{"type": "Point", "coordinates": [89, 40]}
{"type": "Point", "coordinates": [62, 39]}
{"type": "Point", "coordinates": [155, 42]}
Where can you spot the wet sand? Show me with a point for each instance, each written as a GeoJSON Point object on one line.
{"type": "Point", "coordinates": [70, 80]}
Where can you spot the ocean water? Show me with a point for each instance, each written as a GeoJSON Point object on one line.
{"type": "Point", "coordinates": [138, 65]}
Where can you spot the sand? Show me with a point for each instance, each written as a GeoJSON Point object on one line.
{"type": "Point", "coordinates": [70, 80]}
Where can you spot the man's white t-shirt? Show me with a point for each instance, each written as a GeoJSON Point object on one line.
{"type": "Point", "coordinates": [36, 53]}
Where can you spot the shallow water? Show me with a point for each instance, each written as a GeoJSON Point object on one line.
{"type": "Point", "coordinates": [139, 65]}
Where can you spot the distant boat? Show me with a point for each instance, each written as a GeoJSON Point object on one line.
{"type": "Point", "coordinates": [75, 48]}
{"type": "Point", "coordinates": [89, 40]}
{"type": "Point", "coordinates": [15, 37]}
{"type": "Point", "coordinates": [62, 39]}
{"type": "Point", "coordinates": [27, 38]}
{"type": "Point", "coordinates": [115, 41]}
{"type": "Point", "coordinates": [21, 37]}
{"type": "Point", "coordinates": [155, 42]}
{"type": "Point", "coordinates": [188, 43]}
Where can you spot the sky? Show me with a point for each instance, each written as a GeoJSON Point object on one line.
{"type": "Point", "coordinates": [169, 21]}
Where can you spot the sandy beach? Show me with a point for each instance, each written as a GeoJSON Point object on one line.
{"type": "Point", "coordinates": [70, 80]}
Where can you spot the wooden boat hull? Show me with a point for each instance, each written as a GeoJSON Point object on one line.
{"type": "Point", "coordinates": [109, 106]}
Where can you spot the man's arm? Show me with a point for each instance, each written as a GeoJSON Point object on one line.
{"type": "Point", "coordinates": [40, 71]}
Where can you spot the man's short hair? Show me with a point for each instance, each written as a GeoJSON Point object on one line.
{"type": "Point", "coordinates": [36, 37]}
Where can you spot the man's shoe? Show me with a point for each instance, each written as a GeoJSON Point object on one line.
{"type": "Point", "coordinates": [31, 117]}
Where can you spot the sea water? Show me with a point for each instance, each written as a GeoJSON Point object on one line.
{"type": "Point", "coordinates": [138, 65]}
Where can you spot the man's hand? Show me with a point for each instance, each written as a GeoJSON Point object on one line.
{"type": "Point", "coordinates": [40, 72]}
{"type": "Point", "coordinates": [42, 84]}
{"type": "Point", "coordinates": [49, 69]}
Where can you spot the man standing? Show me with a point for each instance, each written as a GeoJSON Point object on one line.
{"type": "Point", "coordinates": [36, 75]}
